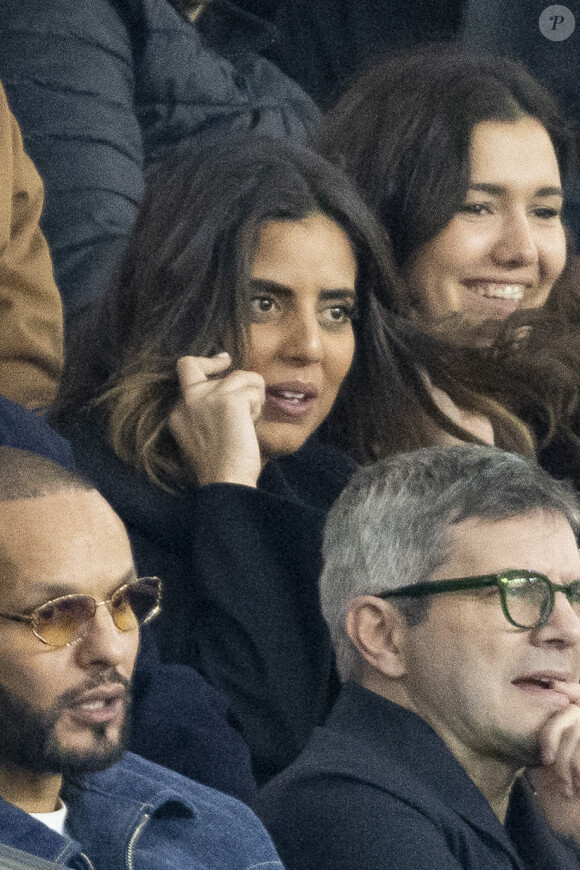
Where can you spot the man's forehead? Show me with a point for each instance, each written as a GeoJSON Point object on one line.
{"type": "Point", "coordinates": [537, 540]}
{"type": "Point", "coordinates": [60, 537]}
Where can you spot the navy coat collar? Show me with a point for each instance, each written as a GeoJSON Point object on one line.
{"type": "Point", "coordinates": [397, 750]}
{"type": "Point", "coordinates": [368, 738]}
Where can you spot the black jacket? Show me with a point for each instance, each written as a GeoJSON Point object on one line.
{"type": "Point", "coordinates": [376, 788]}
{"type": "Point", "coordinates": [240, 568]}
{"type": "Point", "coordinates": [325, 44]}
{"type": "Point", "coordinates": [103, 87]}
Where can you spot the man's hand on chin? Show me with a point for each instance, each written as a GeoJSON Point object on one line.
{"type": "Point", "coordinates": [557, 780]}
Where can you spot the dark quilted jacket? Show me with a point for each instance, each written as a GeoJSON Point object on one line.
{"type": "Point", "coordinates": [103, 87]}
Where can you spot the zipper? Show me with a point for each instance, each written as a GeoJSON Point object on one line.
{"type": "Point", "coordinates": [134, 838]}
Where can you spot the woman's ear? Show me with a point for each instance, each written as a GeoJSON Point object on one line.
{"type": "Point", "coordinates": [376, 629]}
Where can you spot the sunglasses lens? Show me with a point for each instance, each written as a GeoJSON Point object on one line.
{"type": "Point", "coordinates": [60, 621]}
{"type": "Point", "coordinates": [527, 599]}
{"type": "Point", "coordinates": [136, 603]}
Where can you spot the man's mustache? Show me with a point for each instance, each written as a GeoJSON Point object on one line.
{"type": "Point", "coordinates": [108, 678]}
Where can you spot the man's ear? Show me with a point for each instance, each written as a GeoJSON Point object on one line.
{"type": "Point", "coordinates": [376, 629]}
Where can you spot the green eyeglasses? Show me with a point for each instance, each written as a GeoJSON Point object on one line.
{"type": "Point", "coordinates": [527, 598]}
{"type": "Point", "coordinates": [63, 621]}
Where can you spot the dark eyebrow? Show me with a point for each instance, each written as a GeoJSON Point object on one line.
{"type": "Point", "coordinates": [260, 284]}
{"type": "Point", "coordinates": [498, 190]}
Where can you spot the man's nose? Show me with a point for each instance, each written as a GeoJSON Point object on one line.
{"type": "Point", "coordinates": [563, 626]}
{"type": "Point", "coordinates": [102, 642]}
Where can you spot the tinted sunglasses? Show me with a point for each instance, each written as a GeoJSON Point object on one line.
{"type": "Point", "coordinates": [63, 621]}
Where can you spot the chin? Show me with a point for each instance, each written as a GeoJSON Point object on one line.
{"type": "Point", "coordinates": [281, 444]}
{"type": "Point", "coordinates": [102, 748]}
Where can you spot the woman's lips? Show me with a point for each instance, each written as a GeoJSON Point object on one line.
{"type": "Point", "coordinates": [491, 300]}
{"type": "Point", "coordinates": [505, 290]}
{"type": "Point", "coordinates": [293, 398]}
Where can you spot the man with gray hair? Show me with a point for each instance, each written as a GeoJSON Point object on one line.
{"type": "Point", "coordinates": [451, 586]}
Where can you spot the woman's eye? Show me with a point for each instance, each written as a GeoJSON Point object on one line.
{"type": "Point", "coordinates": [262, 305]}
{"type": "Point", "coordinates": [475, 208]}
{"type": "Point", "coordinates": [547, 213]}
{"type": "Point", "coordinates": [339, 314]}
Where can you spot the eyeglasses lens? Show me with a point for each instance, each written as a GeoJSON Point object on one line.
{"type": "Point", "coordinates": [135, 603]}
{"type": "Point", "coordinates": [59, 622]}
{"type": "Point", "coordinates": [527, 600]}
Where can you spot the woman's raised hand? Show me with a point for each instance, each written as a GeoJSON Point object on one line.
{"type": "Point", "coordinates": [213, 421]}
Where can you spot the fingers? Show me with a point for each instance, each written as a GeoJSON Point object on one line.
{"type": "Point", "coordinates": [560, 741]}
{"type": "Point", "coordinates": [571, 690]}
{"type": "Point", "coordinates": [213, 420]}
{"type": "Point", "coordinates": [195, 380]}
{"type": "Point", "coordinates": [561, 750]}
{"type": "Point", "coordinates": [195, 369]}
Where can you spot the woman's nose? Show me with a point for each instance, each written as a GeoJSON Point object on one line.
{"type": "Point", "coordinates": [303, 340]}
{"type": "Point", "coordinates": [516, 245]}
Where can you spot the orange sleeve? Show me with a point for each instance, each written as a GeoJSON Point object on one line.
{"type": "Point", "coordinates": [31, 318]}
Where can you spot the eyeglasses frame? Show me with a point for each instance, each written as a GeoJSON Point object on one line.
{"type": "Point", "coordinates": [29, 618]}
{"type": "Point", "coordinates": [500, 580]}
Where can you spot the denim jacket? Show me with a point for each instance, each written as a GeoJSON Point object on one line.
{"type": "Point", "coordinates": [137, 815]}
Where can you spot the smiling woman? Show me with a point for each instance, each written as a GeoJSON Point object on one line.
{"type": "Point", "coordinates": [463, 157]}
{"type": "Point", "coordinates": [505, 247]}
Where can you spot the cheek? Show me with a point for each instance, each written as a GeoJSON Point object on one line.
{"type": "Point", "coordinates": [438, 261]}
{"type": "Point", "coordinates": [263, 344]}
{"type": "Point", "coordinates": [455, 248]}
{"type": "Point", "coordinates": [37, 683]}
{"type": "Point", "coordinates": [132, 651]}
{"type": "Point", "coordinates": [339, 355]}
{"type": "Point", "coordinates": [554, 255]}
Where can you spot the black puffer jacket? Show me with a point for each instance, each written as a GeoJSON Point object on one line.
{"type": "Point", "coordinates": [103, 87]}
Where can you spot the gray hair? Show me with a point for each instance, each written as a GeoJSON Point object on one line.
{"type": "Point", "coordinates": [389, 527]}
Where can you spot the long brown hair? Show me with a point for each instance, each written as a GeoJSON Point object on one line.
{"type": "Point", "coordinates": [402, 132]}
{"type": "Point", "coordinates": [183, 288]}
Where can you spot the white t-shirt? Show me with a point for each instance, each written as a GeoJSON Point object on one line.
{"type": "Point", "coordinates": [55, 820]}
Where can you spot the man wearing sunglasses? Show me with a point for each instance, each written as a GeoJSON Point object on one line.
{"type": "Point", "coordinates": [451, 586]}
{"type": "Point", "coordinates": [71, 607]}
